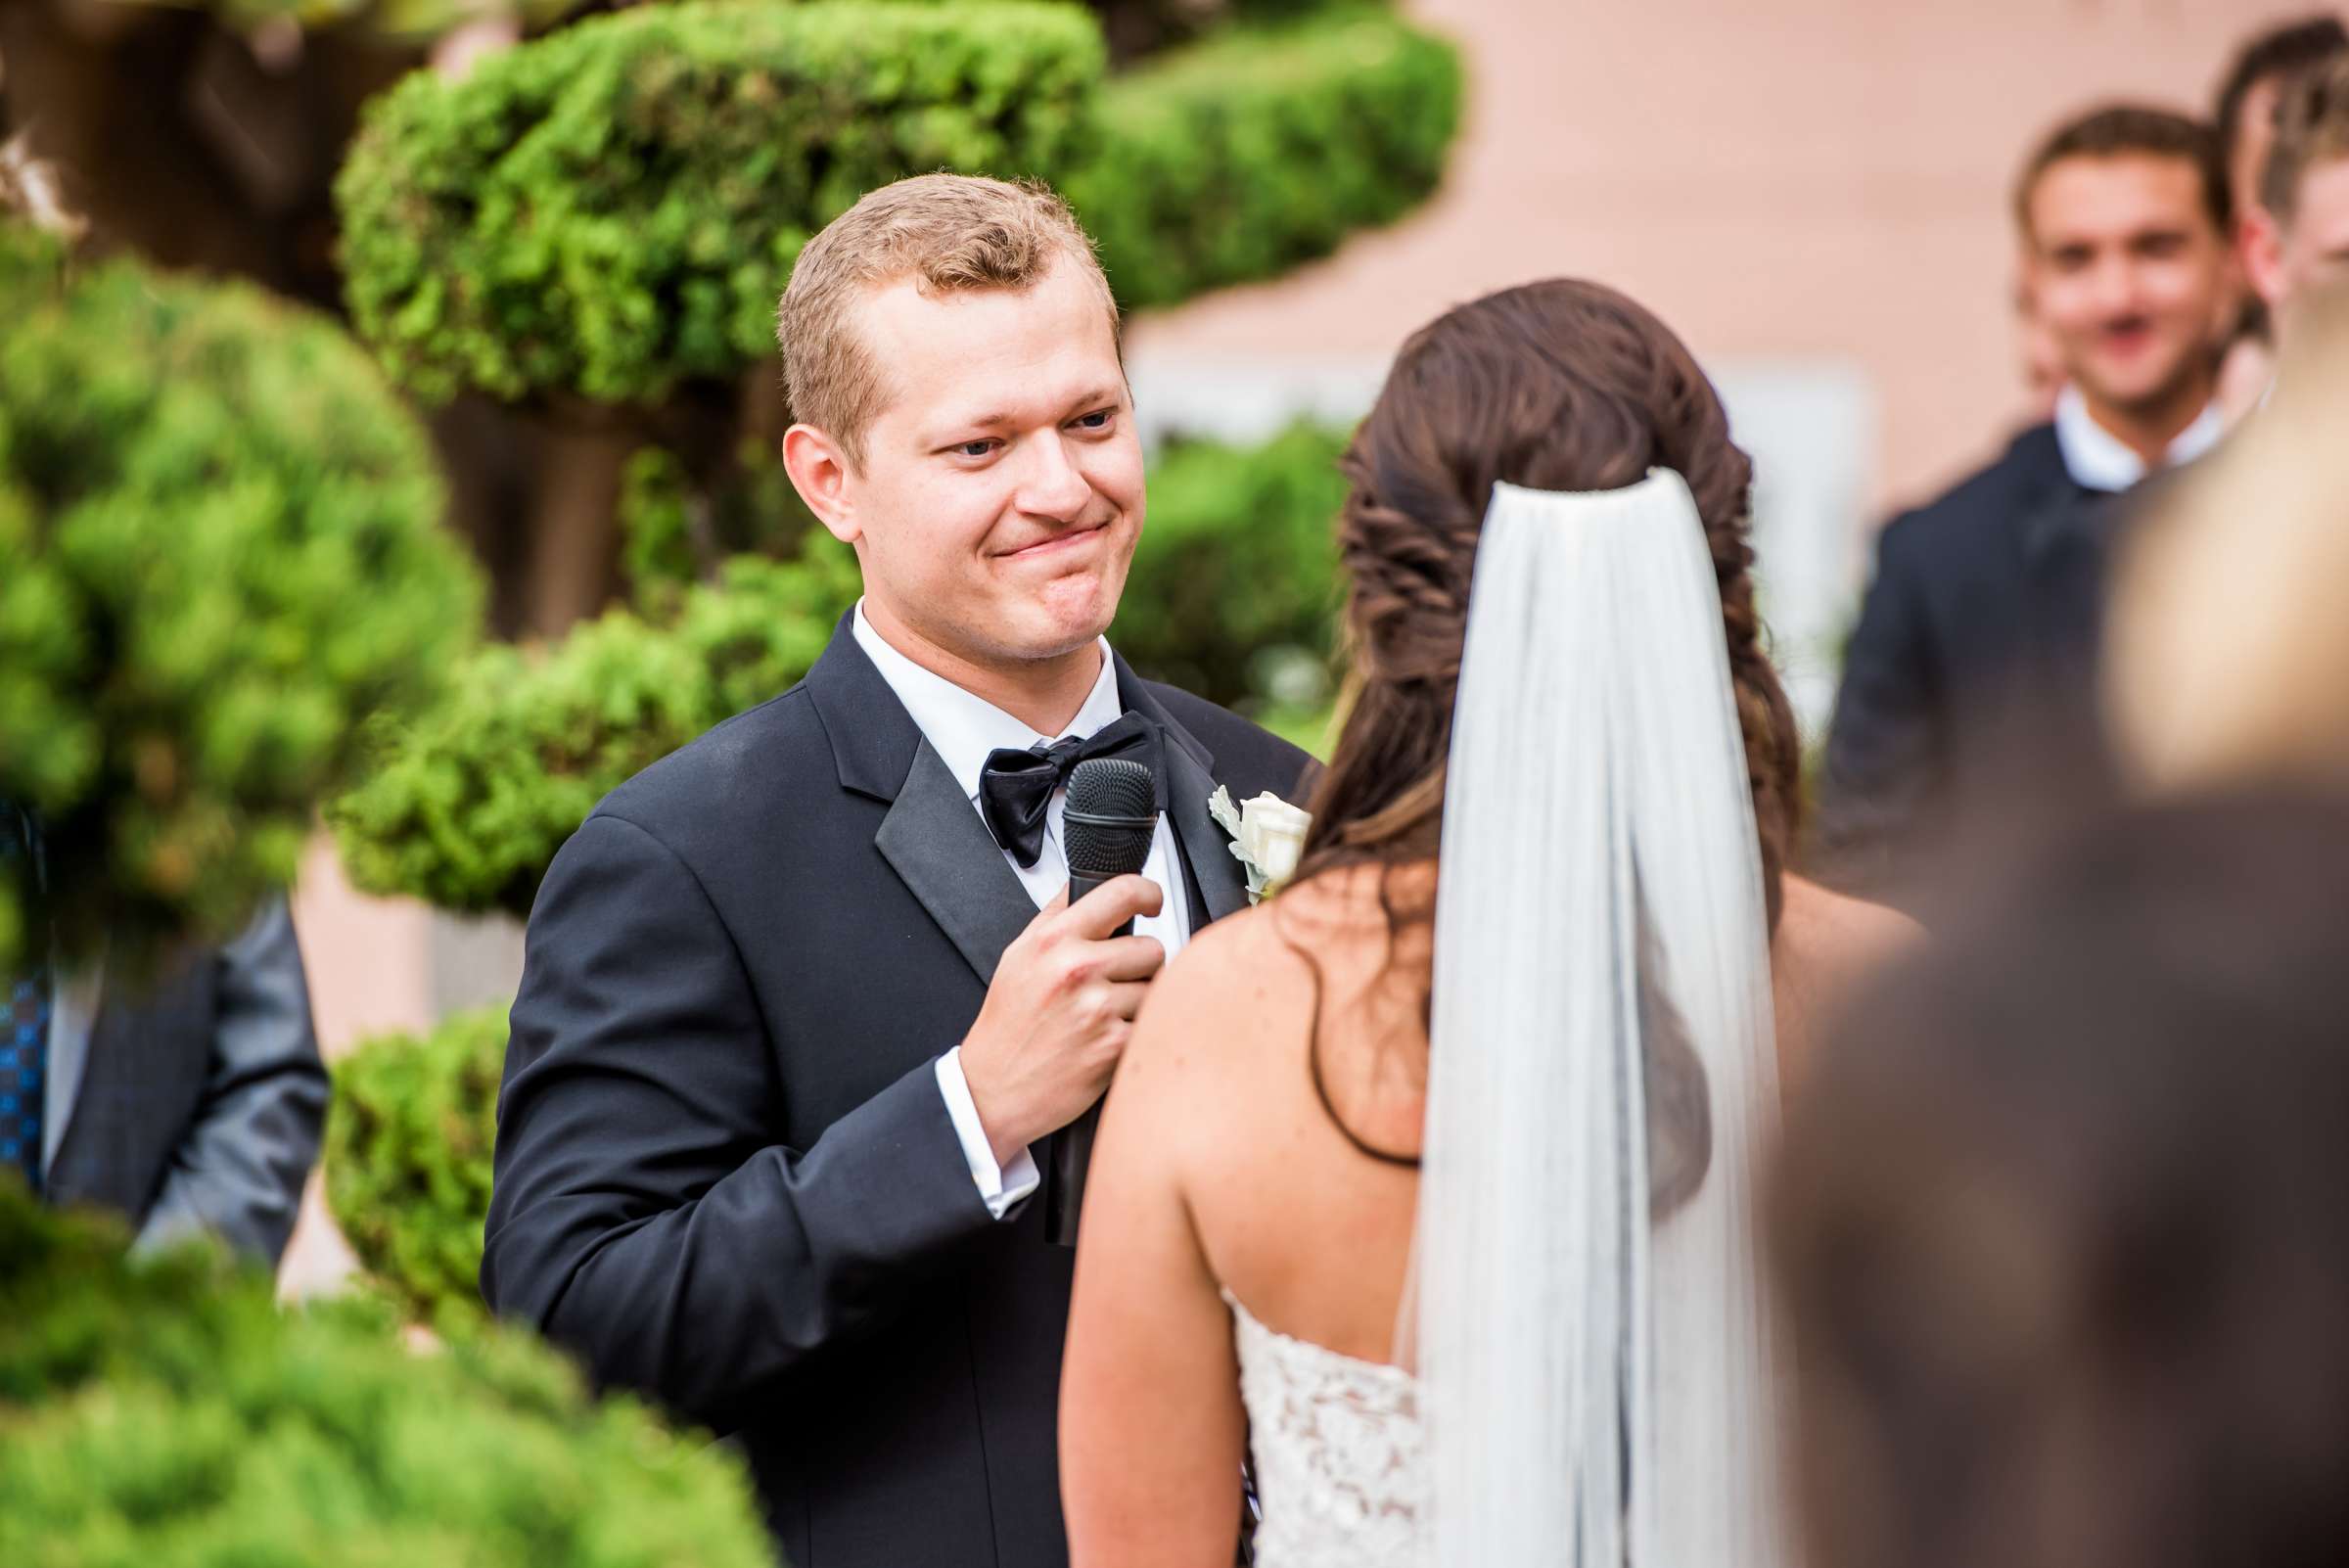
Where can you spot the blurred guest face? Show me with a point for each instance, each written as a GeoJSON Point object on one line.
{"type": "Point", "coordinates": [2129, 273]}
{"type": "Point", "coordinates": [1000, 496]}
{"type": "Point", "coordinates": [2290, 263]}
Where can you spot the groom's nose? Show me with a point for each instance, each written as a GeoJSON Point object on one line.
{"type": "Point", "coordinates": [1051, 483]}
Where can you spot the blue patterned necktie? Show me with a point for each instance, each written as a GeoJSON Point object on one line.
{"type": "Point", "coordinates": [25, 1046]}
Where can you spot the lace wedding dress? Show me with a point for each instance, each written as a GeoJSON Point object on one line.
{"type": "Point", "coordinates": [1340, 1457]}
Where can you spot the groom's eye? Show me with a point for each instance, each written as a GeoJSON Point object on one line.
{"type": "Point", "coordinates": [1097, 421]}
{"type": "Point", "coordinates": [978, 449]}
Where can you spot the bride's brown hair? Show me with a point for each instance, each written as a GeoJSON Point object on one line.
{"type": "Point", "coordinates": [1555, 386]}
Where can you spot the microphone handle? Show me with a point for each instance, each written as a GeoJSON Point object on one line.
{"type": "Point", "coordinates": [1072, 1145]}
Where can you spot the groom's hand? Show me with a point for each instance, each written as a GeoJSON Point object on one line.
{"type": "Point", "coordinates": [1059, 1012]}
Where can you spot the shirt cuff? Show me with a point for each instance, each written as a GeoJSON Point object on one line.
{"type": "Point", "coordinates": [1002, 1189]}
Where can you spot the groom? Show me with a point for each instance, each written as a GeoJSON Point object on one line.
{"type": "Point", "coordinates": [803, 1005]}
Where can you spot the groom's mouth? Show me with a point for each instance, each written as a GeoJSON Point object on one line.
{"type": "Point", "coordinates": [1045, 549]}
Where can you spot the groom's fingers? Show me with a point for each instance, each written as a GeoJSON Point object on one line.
{"type": "Point", "coordinates": [1129, 958]}
{"type": "Point", "coordinates": [1127, 999]}
{"type": "Point", "coordinates": [1113, 904]}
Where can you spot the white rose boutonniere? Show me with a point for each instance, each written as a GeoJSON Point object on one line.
{"type": "Point", "coordinates": [1267, 834]}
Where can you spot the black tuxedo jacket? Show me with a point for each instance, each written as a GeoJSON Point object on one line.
{"type": "Point", "coordinates": [1970, 684]}
{"type": "Point", "coordinates": [725, 1174]}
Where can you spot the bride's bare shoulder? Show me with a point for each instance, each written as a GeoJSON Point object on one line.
{"type": "Point", "coordinates": [1825, 944]}
{"type": "Point", "coordinates": [1827, 930]}
{"type": "Point", "coordinates": [1257, 975]}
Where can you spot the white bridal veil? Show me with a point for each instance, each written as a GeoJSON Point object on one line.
{"type": "Point", "coordinates": [1596, 1377]}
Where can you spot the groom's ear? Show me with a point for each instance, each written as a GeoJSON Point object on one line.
{"type": "Point", "coordinates": [820, 472]}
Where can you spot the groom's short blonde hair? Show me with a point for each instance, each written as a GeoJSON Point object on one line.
{"type": "Point", "coordinates": [946, 232]}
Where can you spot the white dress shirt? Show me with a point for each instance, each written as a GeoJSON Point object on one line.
{"type": "Point", "coordinates": [963, 730]}
{"type": "Point", "coordinates": [2098, 460]}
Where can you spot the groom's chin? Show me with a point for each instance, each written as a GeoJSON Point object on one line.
{"type": "Point", "coordinates": [1070, 614]}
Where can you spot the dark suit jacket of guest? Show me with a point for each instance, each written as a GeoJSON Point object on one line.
{"type": "Point", "coordinates": [1972, 666]}
{"type": "Point", "coordinates": [194, 1104]}
{"type": "Point", "coordinates": [725, 1172]}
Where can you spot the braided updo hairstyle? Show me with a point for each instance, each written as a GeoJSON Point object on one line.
{"type": "Point", "coordinates": [1554, 385]}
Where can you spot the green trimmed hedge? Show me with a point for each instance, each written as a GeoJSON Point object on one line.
{"type": "Point", "coordinates": [1237, 571]}
{"type": "Point", "coordinates": [467, 805]}
{"type": "Point", "coordinates": [1235, 580]}
{"type": "Point", "coordinates": [167, 1414]}
{"type": "Point", "coordinates": [617, 205]}
{"type": "Point", "coordinates": [222, 547]}
{"type": "Point", "coordinates": [1238, 157]}
{"type": "Point", "coordinates": [614, 207]}
{"type": "Point", "coordinates": [408, 1142]}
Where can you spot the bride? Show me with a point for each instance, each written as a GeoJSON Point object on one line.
{"type": "Point", "coordinates": [1428, 1180]}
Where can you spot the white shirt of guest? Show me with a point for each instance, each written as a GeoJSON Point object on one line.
{"type": "Point", "coordinates": [2098, 460]}
{"type": "Point", "coordinates": [963, 728]}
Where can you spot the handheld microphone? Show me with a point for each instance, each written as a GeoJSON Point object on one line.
{"type": "Point", "coordinates": [1110, 818]}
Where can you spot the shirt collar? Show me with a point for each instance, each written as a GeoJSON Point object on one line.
{"type": "Point", "coordinates": [2098, 460]}
{"type": "Point", "coordinates": [963, 728]}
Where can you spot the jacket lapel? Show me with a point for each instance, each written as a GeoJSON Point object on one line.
{"type": "Point", "coordinates": [1190, 781]}
{"type": "Point", "coordinates": [935, 840]}
{"type": "Point", "coordinates": [933, 837]}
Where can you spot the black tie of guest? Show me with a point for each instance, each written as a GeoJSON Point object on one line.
{"type": "Point", "coordinates": [1015, 787]}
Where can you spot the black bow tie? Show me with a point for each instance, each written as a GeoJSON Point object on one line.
{"type": "Point", "coordinates": [1015, 787]}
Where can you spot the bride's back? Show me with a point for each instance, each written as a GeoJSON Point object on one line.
{"type": "Point", "coordinates": [1304, 1199]}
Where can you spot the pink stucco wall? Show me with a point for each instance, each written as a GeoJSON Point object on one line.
{"type": "Point", "coordinates": [1798, 179]}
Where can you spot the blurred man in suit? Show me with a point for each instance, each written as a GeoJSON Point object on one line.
{"type": "Point", "coordinates": [1985, 600]}
{"type": "Point", "coordinates": [190, 1105]}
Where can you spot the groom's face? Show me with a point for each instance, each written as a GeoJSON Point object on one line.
{"type": "Point", "coordinates": [1000, 496]}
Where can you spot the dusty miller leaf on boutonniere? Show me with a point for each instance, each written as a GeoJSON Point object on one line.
{"type": "Point", "coordinates": [1267, 834]}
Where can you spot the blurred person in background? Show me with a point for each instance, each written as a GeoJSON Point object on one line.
{"type": "Point", "coordinates": [2226, 656]}
{"type": "Point", "coordinates": [1986, 600]}
{"type": "Point", "coordinates": [2061, 1220]}
{"type": "Point", "coordinates": [190, 1102]}
{"type": "Point", "coordinates": [2297, 238]}
{"type": "Point", "coordinates": [2245, 117]}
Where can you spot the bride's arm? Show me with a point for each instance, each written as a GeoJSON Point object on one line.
{"type": "Point", "coordinates": [1151, 1426]}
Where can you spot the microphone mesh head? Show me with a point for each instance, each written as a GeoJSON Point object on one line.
{"type": "Point", "coordinates": [1120, 798]}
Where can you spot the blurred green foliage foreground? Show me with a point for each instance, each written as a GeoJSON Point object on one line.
{"type": "Point", "coordinates": [168, 1414]}
{"type": "Point", "coordinates": [222, 543]}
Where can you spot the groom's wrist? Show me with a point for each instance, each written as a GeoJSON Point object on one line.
{"type": "Point", "coordinates": [1006, 1131]}
{"type": "Point", "coordinates": [1003, 1176]}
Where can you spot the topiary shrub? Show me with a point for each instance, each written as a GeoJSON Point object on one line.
{"type": "Point", "coordinates": [408, 1141]}
{"type": "Point", "coordinates": [1240, 156]}
{"type": "Point", "coordinates": [1234, 588]}
{"type": "Point", "coordinates": [617, 205]}
{"type": "Point", "coordinates": [222, 546]}
{"type": "Point", "coordinates": [466, 807]}
{"type": "Point", "coordinates": [165, 1415]}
